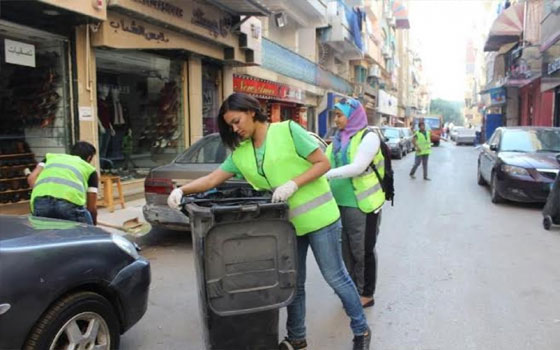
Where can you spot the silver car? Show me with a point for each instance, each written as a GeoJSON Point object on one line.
{"type": "Point", "coordinates": [203, 157]}
{"type": "Point", "coordinates": [465, 136]}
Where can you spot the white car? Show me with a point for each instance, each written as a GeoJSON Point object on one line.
{"type": "Point", "coordinates": [465, 136]}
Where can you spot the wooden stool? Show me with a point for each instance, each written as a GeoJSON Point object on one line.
{"type": "Point", "coordinates": [108, 181]}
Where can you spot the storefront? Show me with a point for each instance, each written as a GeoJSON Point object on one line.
{"type": "Point", "coordinates": [551, 78]}
{"type": "Point", "coordinates": [160, 76]}
{"type": "Point", "coordinates": [281, 102]}
{"type": "Point", "coordinates": [36, 90]}
{"type": "Point", "coordinates": [388, 109]}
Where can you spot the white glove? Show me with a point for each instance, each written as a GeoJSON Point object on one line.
{"type": "Point", "coordinates": [329, 174]}
{"type": "Point", "coordinates": [282, 193]}
{"type": "Point", "coordinates": [174, 199]}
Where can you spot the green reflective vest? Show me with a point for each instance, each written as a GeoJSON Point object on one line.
{"type": "Point", "coordinates": [367, 189]}
{"type": "Point", "coordinates": [312, 206]}
{"type": "Point", "coordinates": [64, 177]}
{"type": "Point", "coordinates": [423, 143]}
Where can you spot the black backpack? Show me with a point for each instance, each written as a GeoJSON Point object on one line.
{"type": "Point", "coordinates": [388, 181]}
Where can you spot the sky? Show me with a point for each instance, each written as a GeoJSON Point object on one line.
{"type": "Point", "coordinates": [439, 30]}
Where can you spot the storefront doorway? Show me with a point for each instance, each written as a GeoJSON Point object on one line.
{"type": "Point", "coordinates": [139, 104]}
{"type": "Point", "coordinates": [35, 113]}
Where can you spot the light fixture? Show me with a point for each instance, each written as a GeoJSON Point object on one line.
{"type": "Point", "coordinates": [281, 19]}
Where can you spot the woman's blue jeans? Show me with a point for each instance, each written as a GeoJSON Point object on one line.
{"type": "Point", "coordinates": [326, 246]}
{"type": "Point", "coordinates": [55, 208]}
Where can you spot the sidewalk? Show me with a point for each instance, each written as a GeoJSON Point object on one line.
{"type": "Point", "coordinates": [132, 210]}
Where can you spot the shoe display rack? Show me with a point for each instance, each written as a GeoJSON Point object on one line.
{"type": "Point", "coordinates": [13, 181]}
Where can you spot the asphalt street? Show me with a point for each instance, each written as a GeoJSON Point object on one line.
{"type": "Point", "coordinates": [456, 272]}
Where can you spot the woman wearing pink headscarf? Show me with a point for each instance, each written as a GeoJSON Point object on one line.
{"type": "Point", "coordinates": [350, 160]}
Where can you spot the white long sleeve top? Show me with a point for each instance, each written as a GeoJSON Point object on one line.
{"type": "Point", "coordinates": [367, 150]}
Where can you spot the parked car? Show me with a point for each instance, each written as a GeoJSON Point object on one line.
{"type": "Point", "coordinates": [200, 159]}
{"type": "Point", "coordinates": [453, 133]}
{"type": "Point", "coordinates": [396, 141]}
{"type": "Point", "coordinates": [408, 136]}
{"type": "Point", "coordinates": [520, 163]}
{"type": "Point", "coordinates": [465, 136]}
{"type": "Point", "coordinates": [67, 285]}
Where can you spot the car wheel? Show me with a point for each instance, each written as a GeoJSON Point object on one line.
{"type": "Point", "coordinates": [479, 179]}
{"type": "Point", "coordinates": [83, 320]}
{"type": "Point", "coordinates": [496, 198]}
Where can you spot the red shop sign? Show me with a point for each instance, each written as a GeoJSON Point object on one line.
{"type": "Point", "coordinates": [266, 89]}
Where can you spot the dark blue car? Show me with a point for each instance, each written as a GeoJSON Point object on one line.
{"type": "Point", "coordinates": [65, 285]}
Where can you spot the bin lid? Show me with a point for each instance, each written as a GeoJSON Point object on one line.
{"type": "Point", "coordinates": [250, 265]}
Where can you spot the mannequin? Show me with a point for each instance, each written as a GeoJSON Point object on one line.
{"type": "Point", "coordinates": [119, 121]}
{"type": "Point", "coordinates": [106, 130]}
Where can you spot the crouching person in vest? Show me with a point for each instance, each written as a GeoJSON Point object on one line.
{"type": "Point", "coordinates": [65, 185]}
{"type": "Point", "coordinates": [284, 158]}
{"type": "Point", "coordinates": [356, 188]}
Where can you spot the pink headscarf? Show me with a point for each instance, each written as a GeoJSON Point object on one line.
{"type": "Point", "coordinates": [357, 120]}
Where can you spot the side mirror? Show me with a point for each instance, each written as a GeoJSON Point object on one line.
{"type": "Point", "coordinates": [494, 147]}
{"type": "Point", "coordinates": [386, 139]}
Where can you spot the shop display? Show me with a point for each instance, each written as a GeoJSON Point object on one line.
{"type": "Point", "coordinates": [34, 94]}
{"type": "Point", "coordinates": [15, 157]}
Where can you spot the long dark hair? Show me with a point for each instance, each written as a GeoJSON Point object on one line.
{"type": "Point", "coordinates": [241, 103]}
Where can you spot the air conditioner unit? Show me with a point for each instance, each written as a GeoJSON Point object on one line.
{"type": "Point", "coordinates": [386, 51]}
{"type": "Point", "coordinates": [374, 71]}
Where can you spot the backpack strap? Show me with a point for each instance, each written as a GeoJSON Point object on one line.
{"type": "Point", "coordinates": [372, 165]}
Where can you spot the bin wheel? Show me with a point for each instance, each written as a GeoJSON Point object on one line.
{"type": "Point", "coordinates": [547, 222]}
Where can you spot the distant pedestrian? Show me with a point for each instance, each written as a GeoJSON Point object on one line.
{"type": "Point", "coordinates": [423, 146]}
{"type": "Point", "coordinates": [65, 185]}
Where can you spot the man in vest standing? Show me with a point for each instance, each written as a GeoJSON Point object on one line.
{"type": "Point", "coordinates": [423, 146]}
{"type": "Point", "coordinates": [65, 185]}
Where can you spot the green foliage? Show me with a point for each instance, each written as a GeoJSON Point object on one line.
{"type": "Point", "coordinates": [451, 110]}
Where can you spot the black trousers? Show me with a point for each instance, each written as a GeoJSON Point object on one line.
{"type": "Point", "coordinates": [373, 220]}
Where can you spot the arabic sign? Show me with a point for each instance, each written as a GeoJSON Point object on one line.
{"type": "Point", "coordinates": [19, 53]}
{"type": "Point", "coordinates": [163, 6]}
{"type": "Point", "coordinates": [132, 27]}
{"type": "Point", "coordinates": [267, 89]}
{"type": "Point", "coordinates": [497, 96]}
{"type": "Point", "coordinates": [215, 27]}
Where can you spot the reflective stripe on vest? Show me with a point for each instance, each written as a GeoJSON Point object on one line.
{"type": "Point", "coordinates": [424, 143]}
{"type": "Point", "coordinates": [367, 189]}
{"type": "Point", "coordinates": [312, 206]}
{"type": "Point", "coordinates": [64, 177]}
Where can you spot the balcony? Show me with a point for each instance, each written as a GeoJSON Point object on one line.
{"type": "Point", "coordinates": [525, 66]}
{"type": "Point", "coordinates": [343, 34]}
{"type": "Point", "coordinates": [372, 51]}
{"type": "Point", "coordinates": [307, 13]}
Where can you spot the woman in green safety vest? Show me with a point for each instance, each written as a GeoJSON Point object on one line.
{"type": "Point", "coordinates": [284, 158]}
{"type": "Point", "coordinates": [356, 188]}
{"type": "Point", "coordinates": [423, 145]}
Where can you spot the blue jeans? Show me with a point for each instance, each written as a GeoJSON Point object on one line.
{"type": "Point", "coordinates": [50, 207]}
{"type": "Point", "coordinates": [326, 247]}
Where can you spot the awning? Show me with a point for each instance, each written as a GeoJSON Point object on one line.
{"type": "Point", "coordinates": [242, 7]}
{"type": "Point", "coordinates": [401, 15]}
{"type": "Point", "coordinates": [507, 27]}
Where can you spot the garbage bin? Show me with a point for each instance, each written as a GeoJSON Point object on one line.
{"type": "Point", "coordinates": [245, 257]}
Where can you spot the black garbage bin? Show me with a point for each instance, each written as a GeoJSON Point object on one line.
{"type": "Point", "coordinates": [245, 258]}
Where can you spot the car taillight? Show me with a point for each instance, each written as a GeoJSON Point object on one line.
{"type": "Point", "coordinates": [159, 186]}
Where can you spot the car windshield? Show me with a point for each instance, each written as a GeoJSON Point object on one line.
{"type": "Point", "coordinates": [543, 140]}
{"type": "Point", "coordinates": [209, 150]}
{"type": "Point", "coordinates": [391, 133]}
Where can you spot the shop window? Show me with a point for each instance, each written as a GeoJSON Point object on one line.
{"type": "Point", "coordinates": [211, 98]}
{"type": "Point", "coordinates": [139, 111]}
{"type": "Point", "coordinates": [34, 104]}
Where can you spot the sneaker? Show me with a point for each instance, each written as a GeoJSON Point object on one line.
{"type": "Point", "coordinates": [361, 342]}
{"type": "Point", "coordinates": [288, 344]}
{"type": "Point", "coordinates": [427, 179]}
{"type": "Point", "coordinates": [412, 176]}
